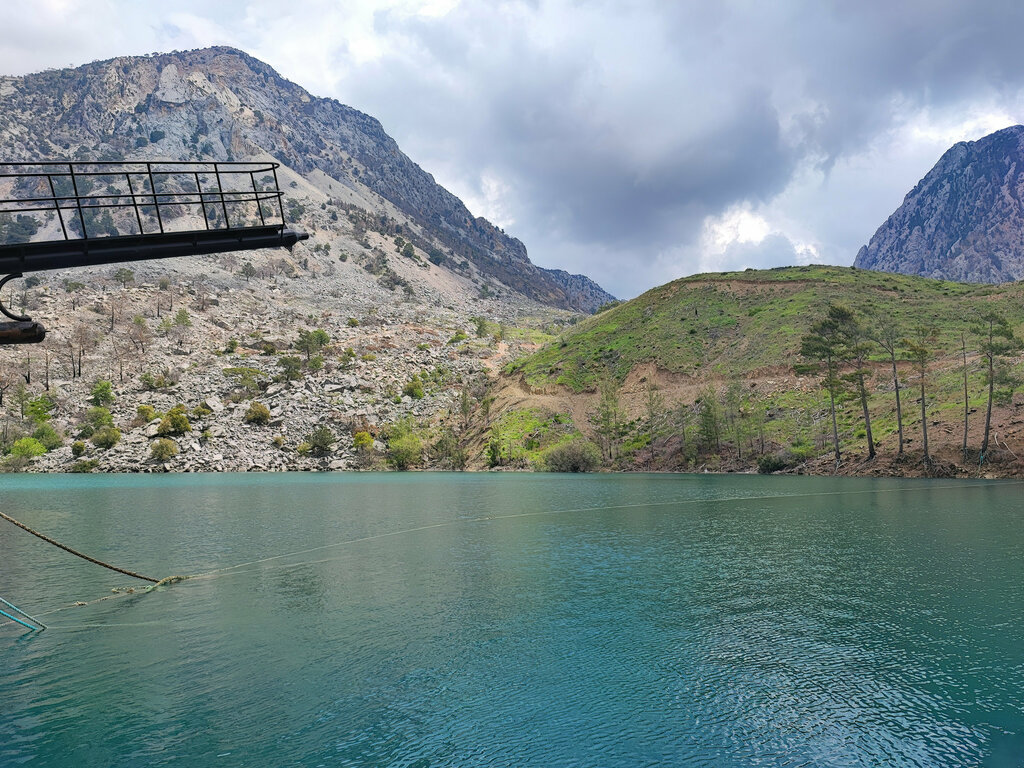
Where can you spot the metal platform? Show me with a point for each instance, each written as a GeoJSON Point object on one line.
{"type": "Point", "coordinates": [56, 215]}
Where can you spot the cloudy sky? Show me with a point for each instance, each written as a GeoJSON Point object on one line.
{"type": "Point", "coordinates": [634, 142]}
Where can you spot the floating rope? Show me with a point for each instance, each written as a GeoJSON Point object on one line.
{"type": "Point", "coordinates": [76, 553]}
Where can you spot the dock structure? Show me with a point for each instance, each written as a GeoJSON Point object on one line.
{"type": "Point", "coordinates": [61, 214]}
{"type": "Point", "coordinates": [13, 613]}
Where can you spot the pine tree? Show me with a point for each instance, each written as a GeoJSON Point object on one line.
{"type": "Point", "coordinates": [822, 346]}
{"type": "Point", "coordinates": [997, 341]}
{"type": "Point", "coordinates": [921, 350]}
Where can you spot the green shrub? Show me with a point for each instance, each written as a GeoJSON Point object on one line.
{"type": "Point", "coordinates": [320, 440]}
{"type": "Point", "coordinates": [258, 414]}
{"type": "Point", "coordinates": [98, 417]}
{"type": "Point", "coordinates": [353, 323]}
{"type": "Point", "coordinates": [102, 393]}
{"type": "Point", "coordinates": [27, 448]}
{"type": "Point", "coordinates": [414, 388]}
{"type": "Point", "coordinates": [459, 336]}
{"type": "Point", "coordinates": [362, 441]}
{"type": "Point", "coordinates": [163, 449]}
{"type": "Point", "coordinates": [85, 465]}
{"type": "Point", "coordinates": [145, 414]}
{"type": "Point", "coordinates": [303, 449]}
{"type": "Point", "coordinates": [278, 442]}
{"type": "Point", "coordinates": [107, 437]}
{"type": "Point", "coordinates": [165, 380]}
{"type": "Point", "coordinates": [291, 367]}
{"type": "Point", "coordinates": [577, 455]}
{"type": "Point", "coordinates": [77, 448]}
{"type": "Point", "coordinates": [174, 422]}
{"type": "Point", "coordinates": [771, 462]}
{"type": "Point", "coordinates": [48, 436]}
{"type": "Point", "coordinates": [405, 449]}
{"type": "Point", "coordinates": [40, 409]}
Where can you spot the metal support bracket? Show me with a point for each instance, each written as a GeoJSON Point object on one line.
{"type": "Point", "coordinates": [5, 310]}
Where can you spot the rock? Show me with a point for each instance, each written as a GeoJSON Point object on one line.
{"type": "Point", "coordinates": [963, 221]}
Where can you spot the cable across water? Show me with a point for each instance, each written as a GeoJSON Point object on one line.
{"type": "Point", "coordinates": [238, 567]}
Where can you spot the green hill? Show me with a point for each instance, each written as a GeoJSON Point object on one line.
{"type": "Point", "coordinates": [735, 323]}
{"type": "Point", "coordinates": [737, 336]}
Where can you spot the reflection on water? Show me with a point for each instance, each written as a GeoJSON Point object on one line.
{"type": "Point", "coordinates": [484, 620]}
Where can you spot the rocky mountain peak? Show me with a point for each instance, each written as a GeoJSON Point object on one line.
{"type": "Point", "coordinates": [964, 220]}
{"type": "Point", "coordinates": [222, 104]}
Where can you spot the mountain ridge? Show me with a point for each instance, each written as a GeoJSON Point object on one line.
{"type": "Point", "coordinates": [221, 103]}
{"type": "Point", "coordinates": [964, 220]}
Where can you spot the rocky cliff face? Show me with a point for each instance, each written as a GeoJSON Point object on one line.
{"type": "Point", "coordinates": [964, 221]}
{"type": "Point", "coordinates": [220, 103]}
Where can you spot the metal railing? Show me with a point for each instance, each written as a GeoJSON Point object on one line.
{"type": "Point", "coordinates": [147, 198]}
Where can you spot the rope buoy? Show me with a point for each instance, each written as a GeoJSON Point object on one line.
{"type": "Point", "coordinates": [76, 553]}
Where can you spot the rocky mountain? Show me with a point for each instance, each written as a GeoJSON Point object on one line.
{"type": "Point", "coordinates": [222, 104]}
{"type": "Point", "coordinates": [963, 221]}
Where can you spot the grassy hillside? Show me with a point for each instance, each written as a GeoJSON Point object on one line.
{"type": "Point", "coordinates": [743, 330]}
{"type": "Point", "coordinates": [735, 323]}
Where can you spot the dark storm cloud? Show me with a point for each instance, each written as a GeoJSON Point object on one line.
{"type": "Point", "coordinates": [625, 124]}
{"type": "Point", "coordinates": [608, 134]}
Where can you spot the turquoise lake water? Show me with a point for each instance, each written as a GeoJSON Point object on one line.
{"type": "Point", "coordinates": [515, 620]}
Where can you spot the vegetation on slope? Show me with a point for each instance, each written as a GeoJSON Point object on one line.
{"type": "Point", "coordinates": [708, 371]}
{"type": "Point", "coordinates": [735, 323]}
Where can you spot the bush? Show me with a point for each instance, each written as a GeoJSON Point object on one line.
{"type": "Point", "coordinates": [414, 388]}
{"type": "Point", "coordinates": [771, 462]}
{"type": "Point", "coordinates": [163, 449]}
{"type": "Point", "coordinates": [303, 449]}
{"type": "Point", "coordinates": [163, 380]}
{"type": "Point", "coordinates": [278, 442]}
{"type": "Point", "coordinates": [201, 410]}
{"type": "Point", "coordinates": [352, 322]}
{"type": "Point", "coordinates": [40, 409]}
{"type": "Point", "coordinates": [577, 455]}
{"type": "Point", "coordinates": [107, 437]}
{"type": "Point", "coordinates": [48, 436]}
{"type": "Point", "coordinates": [85, 465]}
{"type": "Point", "coordinates": [320, 440]}
{"type": "Point", "coordinates": [102, 393]}
{"type": "Point", "coordinates": [77, 448]}
{"type": "Point", "coordinates": [175, 422]}
{"type": "Point", "coordinates": [362, 441]}
{"type": "Point", "coordinates": [257, 414]}
{"type": "Point", "coordinates": [291, 367]}
{"type": "Point", "coordinates": [458, 337]}
{"type": "Point", "coordinates": [145, 414]}
{"type": "Point", "coordinates": [98, 417]}
{"type": "Point", "coordinates": [27, 448]}
{"type": "Point", "coordinates": [405, 449]}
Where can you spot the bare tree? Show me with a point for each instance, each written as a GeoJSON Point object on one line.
{"type": "Point", "coordinates": [888, 335]}
{"type": "Point", "coordinates": [921, 351]}
{"type": "Point", "coordinates": [654, 406]}
{"type": "Point", "coordinates": [8, 376]}
{"type": "Point", "coordinates": [139, 334]}
{"type": "Point", "coordinates": [963, 350]}
{"type": "Point", "coordinates": [997, 341]}
{"type": "Point", "coordinates": [119, 352]}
